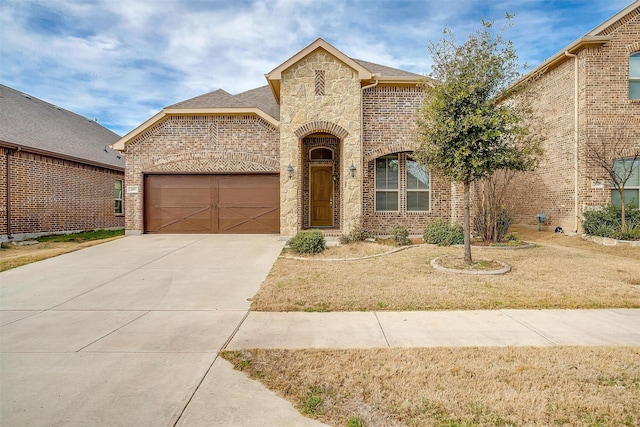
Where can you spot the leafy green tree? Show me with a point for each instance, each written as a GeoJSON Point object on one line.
{"type": "Point", "coordinates": [474, 120]}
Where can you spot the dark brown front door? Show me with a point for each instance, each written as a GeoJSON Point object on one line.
{"type": "Point", "coordinates": [212, 204]}
{"type": "Point", "coordinates": [321, 197]}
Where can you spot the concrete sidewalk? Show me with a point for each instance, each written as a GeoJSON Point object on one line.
{"type": "Point", "coordinates": [496, 328]}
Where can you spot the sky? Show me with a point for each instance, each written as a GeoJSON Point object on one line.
{"type": "Point", "coordinates": [122, 61]}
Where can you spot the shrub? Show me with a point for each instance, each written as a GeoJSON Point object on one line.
{"type": "Point", "coordinates": [440, 233]}
{"type": "Point", "coordinates": [606, 222]}
{"type": "Point", "coordinates": [306, 242]}
{"type": "Point", "coordinates": [400, 235]}
{"type": "Point", "coordinates": [492, 225]}
{"type": "Point", "coordinates": [357, 234]}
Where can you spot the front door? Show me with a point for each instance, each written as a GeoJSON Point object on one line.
{"type": "Point", "coordinates": [321, 197]}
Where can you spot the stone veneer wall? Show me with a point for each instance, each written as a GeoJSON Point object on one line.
{"type": "Point", "coordinates": [52, 195]}
{"type": "Point", "coordinates": [198, 144]}
{"type": "Point", "coordinates": [389, 127]}
{"type": "Point", "coordinates": [303, 112]}
{"type": "Point", "coordinates": [604, 111]}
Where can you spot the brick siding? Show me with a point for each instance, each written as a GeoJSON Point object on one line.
{"type": "Point", "coordinates": [605, 112]}
{"type": "Point", "coordinates": [51, 195]}
{"type": "Point", "coordinates": [198, 144]}
{"type": "Point", "coordinates": [389, 127]}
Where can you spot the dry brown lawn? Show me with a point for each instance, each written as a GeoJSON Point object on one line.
{"type": "Point", "coordinates": [560, 272]}
{"type": "Point", "coordinates": [565, 386]}
{"type": "Point", "coordinates": [13, 256]}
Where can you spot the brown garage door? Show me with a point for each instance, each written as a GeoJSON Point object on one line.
{"type": "Point", "coordinates": [223, 204]}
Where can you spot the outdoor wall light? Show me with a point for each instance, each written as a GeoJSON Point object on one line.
{"type": "Point", "coordinates": [352, 170]}
{"type": "Point", "coordinates": [290, 171]}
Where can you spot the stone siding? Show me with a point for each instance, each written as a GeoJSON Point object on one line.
{"type": "Point", "coordinates": [305, 110]}
{"type": "Point", "coordinates": [52, 195]}
{"type": "Point", "coordinates": [198, 144]}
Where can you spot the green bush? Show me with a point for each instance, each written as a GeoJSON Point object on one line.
{"type": "Point", "coordinates": [606, 222]}
{"type": "Point", "coordinates": [357, 234]}
{"type": "Point", "coordinates": [400, 235]}
{"type": "Point", "coordinates": [440, 233]}
{"type": "Point", "coordinates": [308, 242]}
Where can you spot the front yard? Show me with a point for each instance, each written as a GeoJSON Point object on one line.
{"type": "Point", "coordinates": [456, 387]}
{"type": "Point", "coordinates": [560, 272]}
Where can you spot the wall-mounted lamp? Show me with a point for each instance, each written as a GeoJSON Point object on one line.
{"type": "Point", "coordinates": [290, 171]}
{"type": "Point", "coordinates": [352, 170]}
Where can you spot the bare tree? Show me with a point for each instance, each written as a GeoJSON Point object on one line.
{"type": "Point", "coordinates": [617, 153]}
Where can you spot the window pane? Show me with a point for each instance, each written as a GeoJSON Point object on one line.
{"type": "Point", "coordinates": [634, 65]}
{"type": "Point", "coordinates": [386, 200]}
{"type": "Point", "coordinates": [321, 154]}
{"type": "Point", "coordinates": [417, 200]}
{"type": "Point", "coordinates": [634, 89]}
{"type": "Point", "coordinates": [118, 206]}
{"type": "Point", "coordinates": [417, 176]}
{"type": "Point", "coordinates": [622, 168]}
{"type": "Point", "coordinates": [387, 173]}
{"type": "Point", "coordinates": [629, 196]}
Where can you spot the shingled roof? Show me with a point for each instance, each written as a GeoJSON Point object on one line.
{"type": "Point", "coordinates": [262, 97]}
{"type": "Point", "coordinates": [31, 124]}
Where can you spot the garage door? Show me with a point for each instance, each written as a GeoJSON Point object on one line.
{"type": "Point", "coordinates": [212, 204]}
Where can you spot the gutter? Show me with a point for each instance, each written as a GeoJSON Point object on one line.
{"type": "Point", "coordinates": [25, 148]}
{"type": "Point", "coordinates": [576, 134]}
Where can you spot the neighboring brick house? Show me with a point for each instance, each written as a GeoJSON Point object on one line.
{"type": "Point", "coordinates": [326, 144]}
{"type": "Point", "coordinates": [57, 171]}
{"type": "Point", "coordinates": [587, 92]}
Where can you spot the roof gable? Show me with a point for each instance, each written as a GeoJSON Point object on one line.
{"type": "Point", "coordinates": [275, 75]}
{"type": "Point", "coordinates": [32, 124]}
{"type": "Point", "coordinates": [594, 38]}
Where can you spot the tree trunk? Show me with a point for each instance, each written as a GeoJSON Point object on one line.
{"type": "Point", "coordinates": [467, 223]}
{"type": "Point", "coordinates": [623, 223]}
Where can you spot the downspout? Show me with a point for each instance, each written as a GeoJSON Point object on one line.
{"type": "Point", "coordinates": [576, 134]}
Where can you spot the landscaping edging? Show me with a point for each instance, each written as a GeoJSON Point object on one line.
{"type": "Point", "coordinates": [505, 269]}
{"type": "Point", "coordinates": [394, 250]}
{"type": "Point", "coordinates": [525, 246]}
{"type": "Point", "coordinates": [608, 241]}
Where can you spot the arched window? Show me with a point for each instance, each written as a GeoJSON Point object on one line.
{"type": "Point", "coordinates": [634, 76]}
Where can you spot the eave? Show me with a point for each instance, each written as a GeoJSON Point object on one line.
{"type": "Point", "coordinates": [20, 147]}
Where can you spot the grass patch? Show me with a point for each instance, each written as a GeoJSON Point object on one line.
{"type": "Point", "coordinates": [577, 386]}
{"type": "Point", "coordinates": [84, 236]}
{"type": "Point", "coordinates": [560, 272]}
{"type": "Point", "coordinates": [12, 256]}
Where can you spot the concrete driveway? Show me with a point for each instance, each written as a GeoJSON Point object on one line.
{"type": "Point", "coordinates": [127, 333]}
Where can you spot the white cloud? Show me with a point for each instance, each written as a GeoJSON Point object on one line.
{"type": "Point", "coordinates": [122, 60]}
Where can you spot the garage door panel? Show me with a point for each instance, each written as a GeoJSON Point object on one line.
{"type": "Point", "coordinates": [212, 204]}
{"type": "Point", "coordinates": [249, 220]}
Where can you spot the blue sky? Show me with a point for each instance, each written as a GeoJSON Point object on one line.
{"type": "Point", "coordinates": [122, 61]}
